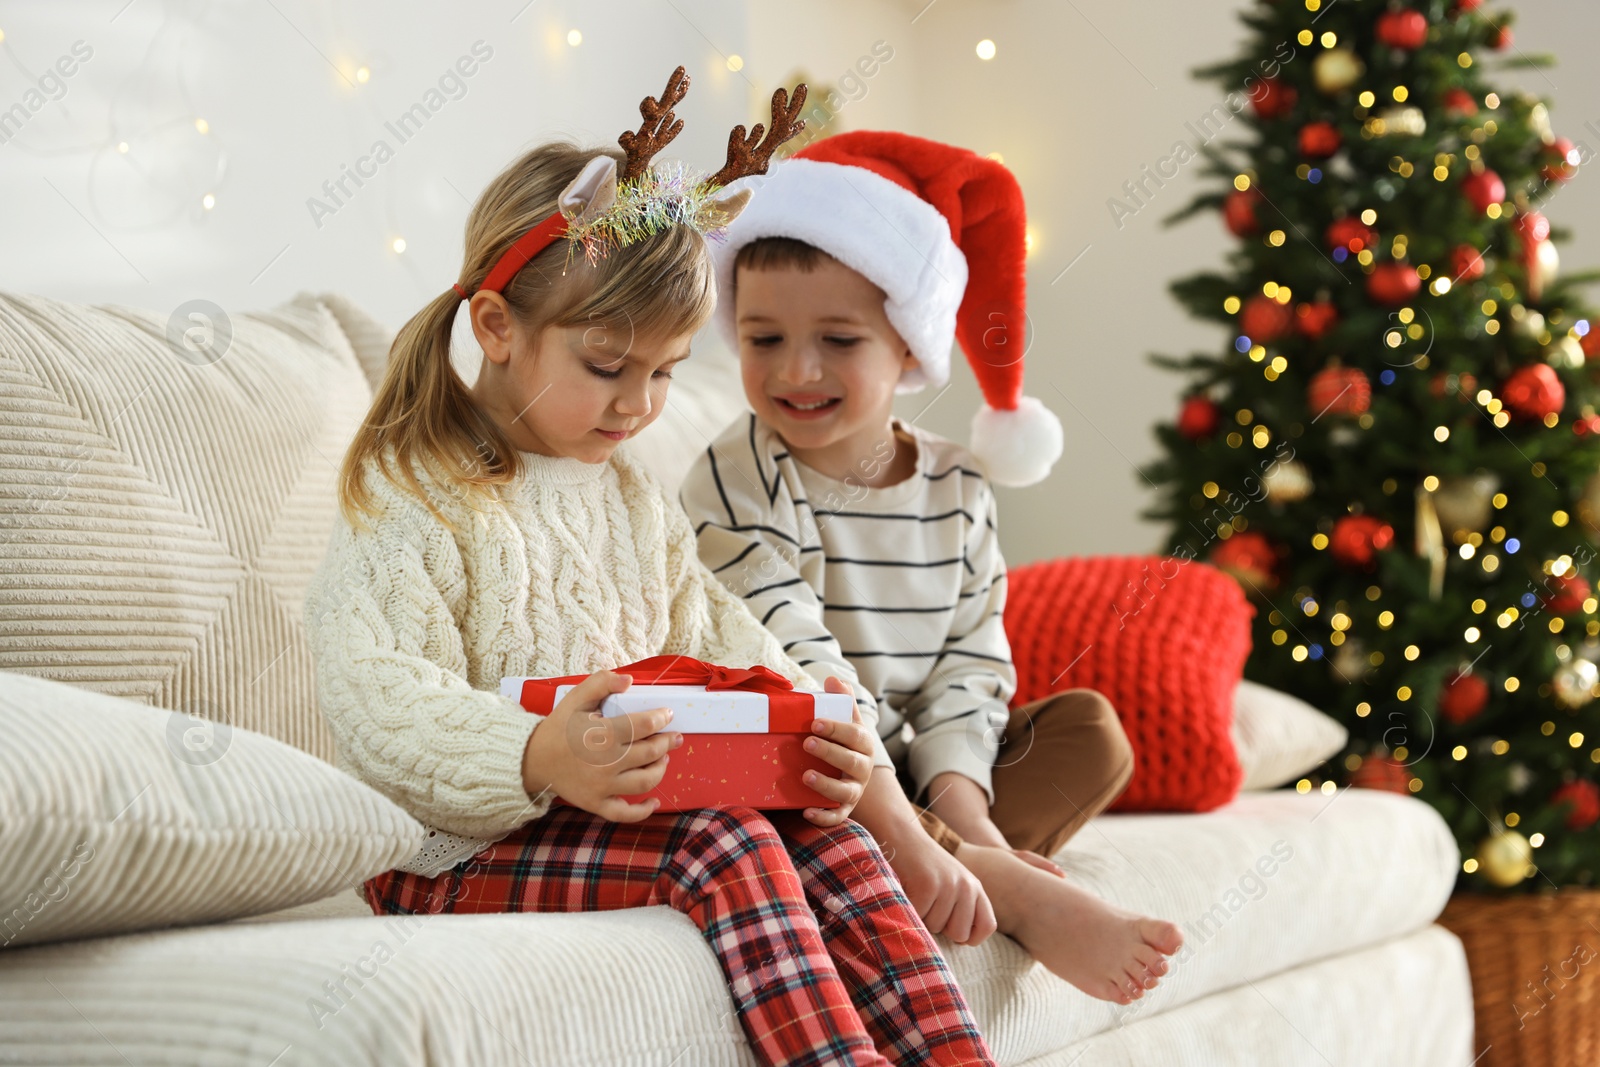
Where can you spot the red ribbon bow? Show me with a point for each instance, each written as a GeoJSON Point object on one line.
{"type": "Point", "coordinates": [787, 711]}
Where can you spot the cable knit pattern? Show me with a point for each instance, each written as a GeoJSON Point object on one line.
{"type": "Point", "coordinates": [1165, 639]}
{"type": "Point", "coordinates": [576, 567]}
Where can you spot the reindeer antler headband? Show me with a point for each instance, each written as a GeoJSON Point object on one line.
{"type": "Point", "coordinates": [600, 210]}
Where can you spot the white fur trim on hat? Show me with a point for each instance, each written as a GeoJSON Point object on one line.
{"type": "Point", "coordinates": [1017, 447]}
{"type": "Point", "coordinates": [883, 231]}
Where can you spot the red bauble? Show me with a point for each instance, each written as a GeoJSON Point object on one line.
{"type": "Point", "coordinates": [1590, 342]}
{"type": "Point", "coordinates": [1274, 99]}
{"type": "Point", "coordinates": [1314, 320]}
{"type": "Point", "coordinates": [1589, 424]}
{"type": "Point", "coordinates": [1357, 539]}
{"type": "Point", "coordinates": [1467, 5]}
{"type": "Point", "coordinates": [1561, 160]}
{"type": "Point", "coordinates": [1459, 102]}
{"type": "Point", "coordinates": [1462, 696]}
{"type": "Point", "coordinates": [1250, 558]}
{"type": "Point", "coordinates": [1467, 262]}
{"type": "Point", "coordinates": [1566, 594]}
{"type": "Point", "coordinates": [1483, 188]}
{"type": "Point", "coordinates": [1584, 796]}
{"type": "Point", "coordinates": [1198, 418]}
{"type": "Point", "coordinates": [1350, 233]}
{"type": "Point", "coordinates": [1264, 320]}
{"type": "Point", "coordinates": [1382, 772]}
{"type": "Point", "coordinates": [1319, 140]}
{"type": "Point", "coordinates": [1402, 29]}
{"type": "Point", "coordinates": [1393, 283]}
{"type": "Point", "coordinates": [1533, 391]}
{"type": "Point", "coordinates": [1501, 40]}
{"type": "Point", "coordinates": [1339, 391]}
{"type": "Point", "coordinates": [1239, 212]}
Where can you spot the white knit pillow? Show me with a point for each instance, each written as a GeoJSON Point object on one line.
{"type": "Point", "coordinates": [167, 487]}
{"type": "Point", "coordinates": [1280, 737]}
{"type": "Point", "coordinates": [117, 816]}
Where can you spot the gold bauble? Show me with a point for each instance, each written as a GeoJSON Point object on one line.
{"type": "Point", "coordinates": [1287, 481]}
{"type": "Point", "coordinates": [1567, 353]}
{"type": "Point", "coordinates": [1528, 323]}
{"type": "Point", "coordinates": [1505, 858]}
{"type": "Point", "coordinates": [1349, 660]}
{"type": "Point", "coordinates": [1336, 70]}
{"type": "Point", "coordinates": [1573, 682]}
{"type": "Point", "coordinates": [1466, 501]}
{"type": "Point", "coordinates": [1547, 264]}
{"type": "Point", "coordinates": [1589, 507]}
{"type": "Point", "coordinates": [1539, 118]}
{"type": "Point", "coordinates": [1392, 121]}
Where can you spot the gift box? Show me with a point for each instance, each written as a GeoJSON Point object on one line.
{"type": "Point", "coordinates": [742, 728]}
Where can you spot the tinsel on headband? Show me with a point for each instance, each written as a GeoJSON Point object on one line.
{"type": "Point", "coordinates": [669, 195]}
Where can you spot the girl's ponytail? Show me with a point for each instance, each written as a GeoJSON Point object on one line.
{"type": "Point", "coordinates": [421, 411]}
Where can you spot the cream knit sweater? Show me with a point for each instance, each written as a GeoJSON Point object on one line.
{"type": "Point", "coordinates": [577, 567]}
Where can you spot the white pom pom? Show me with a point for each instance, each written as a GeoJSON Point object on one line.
{"type": "Point", "coordinates": [1017, 447]}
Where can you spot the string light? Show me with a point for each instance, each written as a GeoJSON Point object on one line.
{"type": "Point", "coordinates": [986, 49]}
{"type": "Point", "coordinates": [575, 38]}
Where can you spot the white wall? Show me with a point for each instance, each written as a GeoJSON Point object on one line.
{"type": "Point", "coordinates": [1078, 98]}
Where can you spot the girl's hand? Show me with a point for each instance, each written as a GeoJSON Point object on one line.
{"type": "Point", "coordinates": [592, 761]}
{"type": "Point", "coordinates": [846, 745]}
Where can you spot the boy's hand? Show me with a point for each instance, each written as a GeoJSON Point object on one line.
{"type": "Point", "coordinates": [846, 745]}
{"type": "Point", "coordinates": [949, 897]}
{"type": "Point", "coordinates": [593, 761]}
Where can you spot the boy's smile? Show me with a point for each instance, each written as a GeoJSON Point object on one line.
{"type": "Point", "coordinates": [820, 362]}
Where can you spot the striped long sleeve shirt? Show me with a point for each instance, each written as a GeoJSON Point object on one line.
{"type": "Point", "coordinates": [898, 590]}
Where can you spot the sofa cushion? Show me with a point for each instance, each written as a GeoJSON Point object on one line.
{"type": "Point", "coordinates": [1280, 737]}
{"type": "Point", "coordinates": [1263, 884]}
{"type": "Point", "coordinates": [167, 488]}
{"type": "Point", "coordinates": [118, 816]}
{"type": "Point", "coordinates": [603, 988]}
{"type": "Point", "coordinates": [1406, 1001]}
{"type": "Point", "coordinates": [1164, 640]}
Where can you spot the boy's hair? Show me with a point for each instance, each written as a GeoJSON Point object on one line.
{"type": "Point", "coordinates": [776, 253]}
{"type": "Point", "coordinates": [422, 413]}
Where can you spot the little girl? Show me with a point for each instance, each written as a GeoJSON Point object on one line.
{"type": "Point", "coordinates": [500, 530]}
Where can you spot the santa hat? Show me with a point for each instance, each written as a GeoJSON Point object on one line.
{"type": "Point", "coordinates": [941, 231]}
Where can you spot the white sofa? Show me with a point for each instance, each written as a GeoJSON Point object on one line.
{"type": "Point", "coordinates": [164, 515]}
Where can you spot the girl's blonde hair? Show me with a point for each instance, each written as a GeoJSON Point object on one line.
{"type": "Point", "coordinates": [422, 414]}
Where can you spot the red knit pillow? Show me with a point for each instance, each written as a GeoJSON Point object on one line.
{"type": "Point", "coordinates": [1165, 640]}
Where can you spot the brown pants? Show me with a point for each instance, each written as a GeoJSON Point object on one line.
{"type": "Point", "coordinates": [1063, 760]}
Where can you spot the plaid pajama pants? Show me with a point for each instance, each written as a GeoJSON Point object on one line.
{"type": "Point", "coordinates": [826, 960]}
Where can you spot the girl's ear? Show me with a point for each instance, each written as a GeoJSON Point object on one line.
{"type": "Point", "coordinates": [491, 325]}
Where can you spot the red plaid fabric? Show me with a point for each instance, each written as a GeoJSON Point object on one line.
{"type": "Point", "coordinates": [826, 960]}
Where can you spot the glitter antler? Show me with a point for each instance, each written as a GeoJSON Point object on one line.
{"type": "Point", "coordinates": [658, 127]}
{"type": "Point", "coordinates": [745, 155]}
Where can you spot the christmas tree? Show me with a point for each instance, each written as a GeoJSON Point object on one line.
{"type": "Point", "coordinates": [1396, 454]}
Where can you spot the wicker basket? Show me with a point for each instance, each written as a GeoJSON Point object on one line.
{"type": "Point", "coordinates": [1528, 1016]}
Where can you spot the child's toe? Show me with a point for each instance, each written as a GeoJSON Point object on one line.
{"type": "Point", "coordinates": [1161, 935]}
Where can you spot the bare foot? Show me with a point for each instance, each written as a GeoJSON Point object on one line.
{"type": "Point", "coordinates": [1106, 952]}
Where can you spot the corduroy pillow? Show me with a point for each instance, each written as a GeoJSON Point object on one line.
{"type": "Point", "coordinates": [116, 816]}
{"type": "Point", "coordinates": [1165, 640]}
{"type": "Point", "coordinates": [167, 487]}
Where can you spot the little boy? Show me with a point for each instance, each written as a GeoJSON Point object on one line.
{"type": "Point", "coordinates": [868, 545]}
